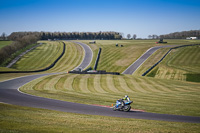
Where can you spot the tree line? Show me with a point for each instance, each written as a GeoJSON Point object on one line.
{"type": "Point", "coordinates": [68, 35]}
{"type": "Point", "coordinates": [182, 35]}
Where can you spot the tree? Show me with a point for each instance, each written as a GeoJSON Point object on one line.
{"type": "Point", "coordinates": [134, 36]}
{"type": "Point", "coordinates": [150, 36]}
{"type": "Point", "coordinates": [3, 36]}
{"type": "Point", "coordinates": [154, 36]}
{"type": "Point", "coordinates": [182, 35]}
{"type": "Point", "coordinates": [128, 36]}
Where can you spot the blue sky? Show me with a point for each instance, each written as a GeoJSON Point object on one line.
{"type": "Point", "coordinates": [141, 17]}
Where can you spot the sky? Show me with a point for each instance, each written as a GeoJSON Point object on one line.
{"type": "Point", "coordinates": [140, 17]}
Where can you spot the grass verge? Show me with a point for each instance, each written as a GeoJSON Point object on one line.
{"type": "Point", "coordinates": [180, 64]}
{"type": "Point", "coordinates": [24, 119]}
{"type": "Point", "coordinates": [4, 43]}
{"type": "Point", "coordinates": [149, 94]}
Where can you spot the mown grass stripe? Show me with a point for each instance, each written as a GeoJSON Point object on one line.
{"type": "Point", "coordinates": [79, 57]}
{"type": "Point", "coordinates": [68, 83]}
{"type": "Point", "coordinates": [61, 82]}
{"type": "Point", "coordinates": [158, 86]}
{"type": "Point", "coordinates": [110, 83]}
{"type": "Point", "coordinates": [97, 84]}
{"type": "Point", "coordinates": [41, 85]}
{"type": "Point", "coordinates": [84, 84]}
{"type": "Point", "coordinates": [137, 83]}
{"type": "Point", "coordinates": [103, 83]}
{"type": "Point", "coordinates": [91, 84]}
{"type": "Point", "coordinates": [64, 59]}
{"type": "Point", "coordinates": [117, 84]}
{"type": "Point", "coordinates": [123, 84]}
{"type": "Point", "coordinates": [76, 82]}
{"type": "Point", "coordinates": [168, 86]}
{"type": "Point", "coordinates": [132, 84]}
{"type": "Point", "coordinates": [50, 84]}
{"type": "Point", "coordinates": [150, 87]}
{"type": "Point", "coordinates": [72, 56]}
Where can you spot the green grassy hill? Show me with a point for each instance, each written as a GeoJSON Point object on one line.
{"type": "Point", "coordinates": [40, 57]}
{"type": "Point", "coordinates": [149, 94]}
{"type": "Point", "coordinates": [44, 55]}
{"type": "Point", "coordinates": [25, 119]}
{"type": "Point", "coordinates": [4, 43]}
{"type": "Point", "coordinates": [160, 95]}
{"type": "Point", "coordinates": [180, 64]}
{"type": "Point", "coordinates": [117, 59]}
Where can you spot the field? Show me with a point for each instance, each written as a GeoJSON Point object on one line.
{"type": "Point", "coordinates": [149, 94]}
{"type": "Point", "coordinates": [40, 57]}
{"type": "Point", "coordinates": [33, 61]}
{"type": "Point", "coordinates": [152, 94]}
{"type": "Point", "coordinates": [23, 119]}
{"type": "Point", "coordinates": [180, 64]}
{"type": "Point", "coordinates": [117, 59]}
{"type": "Point", "coordinates": [4, 43]}
{"type": "Point", "coordinates": [44, 55]}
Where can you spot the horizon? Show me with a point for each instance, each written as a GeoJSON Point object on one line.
{"type": "Point", "coordinates": [142, 18]}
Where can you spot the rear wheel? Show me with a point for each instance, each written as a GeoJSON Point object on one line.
{"type": "Point", "coordinates": [127, 108]}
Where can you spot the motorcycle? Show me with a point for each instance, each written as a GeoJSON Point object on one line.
{"type": "Point", "coordinates": [126, 107]}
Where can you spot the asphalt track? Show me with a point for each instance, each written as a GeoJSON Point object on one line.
{"type": "Point", "coordinates": [10, 94]}
{"type": "Point", "coordinates": [88, 55]}
{"type": "Point", "coordinates": [133, 67]}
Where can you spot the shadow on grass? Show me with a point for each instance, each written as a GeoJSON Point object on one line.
{"type": "Point", "coordinates": [193, 77]}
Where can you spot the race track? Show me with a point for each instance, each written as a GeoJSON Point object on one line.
{"type": "Point", "coordinates": [88, 55]}
{"type": "Point", "coordinates": [133, 67]}
{"type": "Point", "coordinates": [10, 94]}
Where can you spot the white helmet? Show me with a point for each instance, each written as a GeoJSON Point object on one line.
{"type": "Point", "coordinates": [126, 96]}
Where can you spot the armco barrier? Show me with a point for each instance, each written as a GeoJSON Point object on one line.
{"type": "Point", "coordinates": [97, 72]}
{"type": "Point", "coordinates": [97, 60]}
{"type": "Point", "coordinates": [165, 56]}
{"type": "Point", "coordinates": [95, 67]}
{"type": "Point", "coordinates": [41, 70]}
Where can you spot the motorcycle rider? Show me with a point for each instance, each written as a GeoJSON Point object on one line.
{"type": "Point", "coordinates": [125, 99]}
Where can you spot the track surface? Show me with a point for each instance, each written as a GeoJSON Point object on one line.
{"type": "Point", "coordinates": [88, 55]}
{"type": "Point", "coordinates": [9, 94]}
{"type": "Point", "coordinates": [133, 67]}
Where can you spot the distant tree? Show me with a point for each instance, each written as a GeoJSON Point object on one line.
{"type": "Point", "coordinates": [150, 36]}
{"type": "Point", "coordinates": [134, 36]}
{"type": "Point", "coordinates": [68, 35]}
{"type": "Point", "coordinates": [154, 36]}
{"type": "Point", "coordinates": [181, 35]}
{"type": "Point", "coordinates": [3, 36]}
{"type": "Point", "coordinates": [128, 36]}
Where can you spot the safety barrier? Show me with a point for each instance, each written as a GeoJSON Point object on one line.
{"type": "Point", "coordinates": [97, 60]}
{"type": "Point", "coordinates": [97, 72]}
{"type": "Point", "coordinates": [165, 56]}
{"type": "Point", "coordinates": [41, 70]}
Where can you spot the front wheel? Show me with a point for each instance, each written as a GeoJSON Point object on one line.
{"type": "Point", "coordinates": [114, 108]}
{"type": "Point", "coordinates": [127, 108]}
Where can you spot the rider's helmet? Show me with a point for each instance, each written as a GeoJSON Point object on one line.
{"type": "Point", "coordinates": [126, 96]}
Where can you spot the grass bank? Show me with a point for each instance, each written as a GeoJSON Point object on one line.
{"type": "Point", "coordinates": [44, 55]}
{"type": "Point", "coordinates": [24, 119]}
{"type": "Point", "coordinates": [4, 43]}
{"type": "Point", "coordinates": [149, 94]}
{"type": "Point", "coordinates": [180, 64]}
{"type": "Point", "coordinates": [118, 59]}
